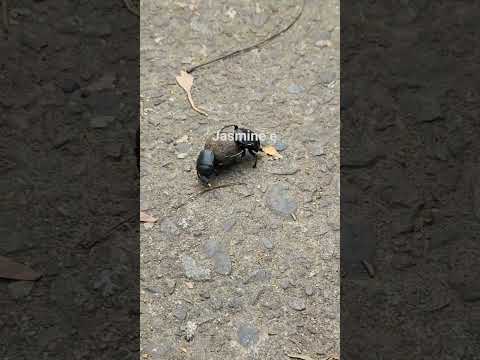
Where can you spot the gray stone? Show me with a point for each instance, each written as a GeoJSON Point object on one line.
{"type": "Point", "coordinates": [20, 289]}
{"type": "Point", "coordinates": [279, 201]}
{"type": "Point", "coordinates": [268, 244]}
{"type": "Point", "coordinates": [297, 304]}
{"type": "Point", "coordinates": [100, 122]}
{"type": "Point", "coordinates": [247, 335]}
{"type": "Point", "coordinates": [295, 89]}
{"type": "Point", "coordinates": [222, 263]}
{"type": "Point", "coordinates": [280, 146]}
{"type": "Point", "coordinates": [258, 275]}
{"type": "Point", "coordinates": [180, 312]}
{"type": "Point", "coordinates": [309, 290]}
{"type": "Point", "coordinates": [216, 303]}
{"type": "Point", "coordinates": [194, 271]}
{"type": "Point", "coordinates": [212, 247]}
{"type": "Point", "coordinates": [221, 260]}
{"type": "Point", "coordinates": [235, 303]}
{"type": "Point", "coordinates": [169, 228]}
{"type": "Point", "coordinates": [229, 225]}
{"type": "Point", "coordinates": [284, 283]}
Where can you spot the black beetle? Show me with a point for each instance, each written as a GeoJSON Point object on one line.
{"type": "Point", "coordinates": [220, 151]}
{"type": "Point", "coordinates": [246, 140]}
{"type": "Point", "coordinates": [206, 166]}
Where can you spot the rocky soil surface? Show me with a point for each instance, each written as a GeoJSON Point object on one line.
{"type": "Point", "coordinates": [249, 271]}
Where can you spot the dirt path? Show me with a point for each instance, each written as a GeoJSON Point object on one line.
{"type": "Point", "coordinates": [232, 274]}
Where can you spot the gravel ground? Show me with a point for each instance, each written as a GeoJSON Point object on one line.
{"type": "Point", "coordinates": [232, 274]}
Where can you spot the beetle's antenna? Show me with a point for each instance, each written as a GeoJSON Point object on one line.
{"type": "Point", "coordinates": [226, 126]}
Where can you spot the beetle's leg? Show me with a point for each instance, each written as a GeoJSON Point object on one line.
{"type": "Point", "coordinates": [203, 180]}
{"type": "Point", "coordinates": [255, 156]}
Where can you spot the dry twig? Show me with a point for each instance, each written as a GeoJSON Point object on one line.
{"type": "Point", "coordinates": [194, 196]}
{"type": "Point", "coordinates": [255, 46]}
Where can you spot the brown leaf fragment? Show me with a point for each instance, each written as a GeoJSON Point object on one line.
{"type": "Point", "coordinates": [145, 218]}
{"type": "Point", "coordinates": [10, 269]}
{"type": "Point", "coordinates": [185, 80]}
{"type": "Point", "coordinates": [271, 151]}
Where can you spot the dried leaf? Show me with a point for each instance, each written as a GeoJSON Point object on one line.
{"type": "Point", "coordinates": [144, 217]}
{"type": "Point", "coordinates": [302, 357]}
{"type": "Point", "coordinates": [185, 80]}
{"type": "Point", "coordinates": [10, 269]}
{"type": "Point", "coordinates": [189, 285]}
{"type": "Point", "coordinates": [271, 151]}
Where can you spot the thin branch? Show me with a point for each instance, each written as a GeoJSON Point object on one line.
{"type": "Point", "coordinates": [194, 196]}
{"type": "Point", "coordinates": [255, 46]}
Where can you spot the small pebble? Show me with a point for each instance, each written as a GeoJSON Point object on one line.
{"type": "Point", "coordinates": [222, 263]}
{"type": "Point", "coordinates": [279, 201]}
{"type": "Point", "coordinates": [229, 225]}
{"type": "Point", "coordinates": [309, 290]}
{"type": "Point", "coordinates": [194, 271]}
{"type": "Point", "coordinates": [216, 303]}
{"type": "Point", "coordinates": [284, 283]}
{"type": "Point", "coordinates": [297, 304]}
{"type": "Point", "coordinates": [280, 146]}
{"type": "Point", "coordinates": [268, 244]}
{"type": "Point", "coordinates": [295, 89]}
{"type": "Point", "coordinates": [259, 275]}
{"type": "Point", "coordinates": [180, 312]}
{"type": "Point", "coordinates": [247, 335]}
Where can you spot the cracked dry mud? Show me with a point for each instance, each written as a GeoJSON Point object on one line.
{"type": "Point", "coordinates": [232, 274]}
